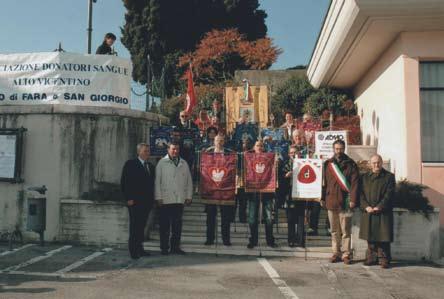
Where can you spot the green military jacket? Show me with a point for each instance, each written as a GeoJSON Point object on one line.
{"type": "Point", "coordinates": [377, 191]}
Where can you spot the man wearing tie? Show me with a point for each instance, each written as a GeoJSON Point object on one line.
{"type": "Point", "coordinates": [137, 184]}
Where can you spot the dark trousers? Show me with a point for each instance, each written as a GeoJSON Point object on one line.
{"type": "Point", "coordinates": [138, 215]}
{"type": "Point", "coordinates": [378, 251]}
{"type": "Point", "coordinates": [227, 215]}
{"type": "Point", "coordinates": [241, 205]}
{"type": "Point", "coordinates": [253, 217]}
{"type": "Point", "coordinates": [170, 220]}
{"type": "Point", "coordinates": [315, 209]}
{"type": "Point", "coordinates": [295, 217]}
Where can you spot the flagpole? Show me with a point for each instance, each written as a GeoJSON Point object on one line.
{"type": "Point", "coordinates": [305, 232]}
{"type": "Point", "coordinates": [260, 224]}
{"type": "Point", "coordinates": [217, 230]}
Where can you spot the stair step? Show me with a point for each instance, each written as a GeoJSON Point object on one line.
{"type": "Point", "coordinates": [241, 235]}
{"type": "Point", "coordinates": [199, 241]}
{"type": "Point", "coordinates": [194, 236]}
{"type": "Point", "coordinates": [312, 252]}
{"type": "Point", "coordinates": [204, 214]}
{"type": "Point", "coordinates": [197, 222]}
{"type": "Point", "coordinates": [200, 226]}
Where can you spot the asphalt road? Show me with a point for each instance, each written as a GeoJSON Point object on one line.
{"type": "Point", "coordinates": [60, 271]}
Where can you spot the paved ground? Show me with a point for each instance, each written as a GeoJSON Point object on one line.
{"type": "Point", "coordinates": [59, 271]}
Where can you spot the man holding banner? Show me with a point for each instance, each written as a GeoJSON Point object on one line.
{"type": "Point", "coordinates": [295, 209]}
{"type": "Point", "coordinates": [218, 185]}
{"type": "Point", "coordinates": [260, 184]}
{"type": "Point", "coordinates": [340, 197]}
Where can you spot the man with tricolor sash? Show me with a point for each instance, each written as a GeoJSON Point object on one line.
{"type": "Point", "coordinates": [340, 196]}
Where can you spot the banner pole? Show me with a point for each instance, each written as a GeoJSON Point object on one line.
{"type": "Point", "coordinates": [305, 232]}
{"type": "Point", "coordinates": [217, 229]}
{"type": "Point", "coordinates": [276, 205]}
{"type": "Point", "coordinates": [260, 224]}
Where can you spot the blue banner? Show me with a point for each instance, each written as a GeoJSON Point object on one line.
{"type": "Point", "coordinates": [274, 141]}
{"type": "Point", "coordinates": [190, 139]}
{"type": "Point", "coordinates": [274, 134]}
{"type": "Point", "coordinates": [159, 138]}
{"type": "Point", "coordinates": [243, 132]}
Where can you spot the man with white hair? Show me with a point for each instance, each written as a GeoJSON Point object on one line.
{"type": "Point", "coordinates": [378, 187]}
{"type": "Point", "coordinates": [173, 189]}
{"type": "Point", "coordinates": [137, 185]}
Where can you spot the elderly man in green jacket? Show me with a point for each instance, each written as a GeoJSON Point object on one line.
{"type": "Point", "coordinates": [378, 187]}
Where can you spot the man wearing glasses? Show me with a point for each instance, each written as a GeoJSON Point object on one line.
{"type": "Point", "coordinates": [185, 121]}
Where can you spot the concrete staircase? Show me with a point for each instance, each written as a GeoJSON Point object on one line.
{"type": "Point", "coordinates": [194, 236]}
{"type": "Point", "coordinates": [194, 229]}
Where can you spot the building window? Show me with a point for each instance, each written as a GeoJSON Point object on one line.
{"type": "Point", "coordinates": [432, 111]}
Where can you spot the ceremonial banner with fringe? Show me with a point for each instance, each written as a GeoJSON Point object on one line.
{"type": "Point", "coordinates": [260, 172]}
{"type": "Point", "coordinates": [307, 179]}
{"type": "Point", "coordinates": [218, 178]}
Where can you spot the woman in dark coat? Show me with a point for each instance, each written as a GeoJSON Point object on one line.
{"type": "Point", "coordinates": [378, 188]}
{"type": "Point", "coordinates": [105, 47]}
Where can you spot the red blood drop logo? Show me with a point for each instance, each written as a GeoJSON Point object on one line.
{"type": "Point", "coordinates": [307, 175]}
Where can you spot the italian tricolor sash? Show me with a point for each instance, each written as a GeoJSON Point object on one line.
{"type": "Point", "coordinates": [342, 181]}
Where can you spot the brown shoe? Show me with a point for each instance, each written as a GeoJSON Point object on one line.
{"type": "Point", "coordinates": [335, 259]}
{"type": "Point", "coordinates": [384, 263]}
{"type": "Point", "coordinates": [347, 260]}
{"type": "Point", "coordinates": [369, 263]}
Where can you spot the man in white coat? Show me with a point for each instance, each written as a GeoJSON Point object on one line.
{"type": "Point", "coordinates": [173, 189]}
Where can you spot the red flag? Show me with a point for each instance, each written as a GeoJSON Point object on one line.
{"type": "Point", "coordinates": [260, 172]}
{"type": "Point", "coordinates": [218, 178]}
{"type": "Point", "coordinates": [191, 97]}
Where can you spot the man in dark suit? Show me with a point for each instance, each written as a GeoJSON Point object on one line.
{"type": "Point", "coordinates": [137, 184]}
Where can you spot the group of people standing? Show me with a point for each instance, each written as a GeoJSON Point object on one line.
{"type": "Point", "coordinates": [344, 189]}
{"type": "Point", "coordinates": [169, 186]}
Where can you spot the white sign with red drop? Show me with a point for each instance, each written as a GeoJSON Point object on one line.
{"type": "Point", "coordinates": [307, 179]}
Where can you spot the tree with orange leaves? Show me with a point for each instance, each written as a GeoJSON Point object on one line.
{"type": "Point", "coordinates": [221, 52]}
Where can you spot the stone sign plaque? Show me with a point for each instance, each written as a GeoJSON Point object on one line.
{"type": "Point", "coordinates": [7, 156]}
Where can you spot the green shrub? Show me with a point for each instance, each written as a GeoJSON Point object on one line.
{"type": "Point", "coordinates": [410, 196]}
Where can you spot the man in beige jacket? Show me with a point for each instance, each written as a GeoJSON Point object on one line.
{"type": "Point", "coordinates": [173, 189]}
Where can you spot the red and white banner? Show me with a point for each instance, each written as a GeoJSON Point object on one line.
{"type": "Point", "coordinates": [218, 178]}
{"type": "Point", "coordinates": [307, 179]}
{"type": "Point", "coordinates": [260, 172]}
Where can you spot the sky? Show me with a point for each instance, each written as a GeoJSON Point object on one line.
{"type": "Point", "coordinates": [39, 26]}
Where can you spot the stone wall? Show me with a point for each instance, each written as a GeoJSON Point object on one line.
{"type": "Point", "coordinates": [76, 152]}
{"type": "Point", "coordinates": [93, 223]}
{"type": "Point", "coordinates": [415, 237]}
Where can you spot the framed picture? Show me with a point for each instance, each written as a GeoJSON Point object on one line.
{"type": "Point", "coordinates": [11, 141]}
{"type": "Point", "coordinates": [247, 113]}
